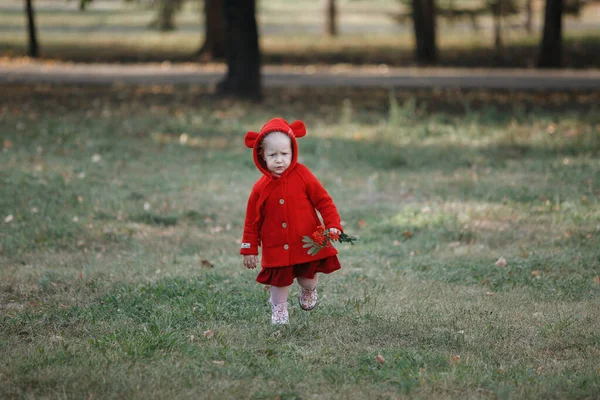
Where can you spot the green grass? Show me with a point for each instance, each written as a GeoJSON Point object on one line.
{"type": "Point", "coordinates": [122, 250]}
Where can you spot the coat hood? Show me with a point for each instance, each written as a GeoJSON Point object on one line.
{"type": "Point", "coordinates": [294, 130]}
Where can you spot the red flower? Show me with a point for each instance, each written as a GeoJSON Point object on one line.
{"type": "Point", "coordinates": [322, 238]}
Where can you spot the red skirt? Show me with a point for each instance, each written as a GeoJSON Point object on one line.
{"type": "Point", "coordinates": [284, 276]}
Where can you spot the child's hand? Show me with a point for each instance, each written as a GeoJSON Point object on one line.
{"type": "Point", "coordinates": [334, 231]}
{"type": "Point", "coordinates": [250, 261]}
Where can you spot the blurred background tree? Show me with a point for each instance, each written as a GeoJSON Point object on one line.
{"type": "Point", "coordinates": [229, 31]}
{"type": "Point", "coordinates": [33, 48]}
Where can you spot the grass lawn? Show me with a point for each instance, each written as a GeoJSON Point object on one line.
{"type": "Point", "coordinates": [121, 212]}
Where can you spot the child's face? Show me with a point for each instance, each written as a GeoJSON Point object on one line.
{"type": "Point", "coordinates": [277, 152]}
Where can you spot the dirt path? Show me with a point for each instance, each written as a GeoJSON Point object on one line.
{"type": "Point", "coordinates": [279, 76]}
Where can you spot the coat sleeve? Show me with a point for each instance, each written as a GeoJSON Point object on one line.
{"type": "Point", "coordinates": [250, 239]}
{"type": "Point", "coordinates": [321, 200]}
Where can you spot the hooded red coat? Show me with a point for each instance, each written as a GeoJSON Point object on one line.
{"type": "Point", "coordinates": [282, 210]}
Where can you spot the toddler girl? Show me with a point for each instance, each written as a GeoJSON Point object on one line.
{"type": "Point", "coordinates": [280, 212]}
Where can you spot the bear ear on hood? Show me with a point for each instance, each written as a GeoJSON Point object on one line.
{"type": "Point", "coordinates": [298, 128]}
{"type": "Point", "coordinates": [250, 139]}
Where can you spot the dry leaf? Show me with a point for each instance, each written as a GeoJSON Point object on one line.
{"type": "Point", "coordinates": [362, 223]}
{"type": "Point", "coordinates": [380, 359]}
{"type": "Point", "coordinates": [206, 264]}
{"type": "Point", "coordinates": [7, 144]}
{"type": "Point", "coordinates": [501, 262]}
{"type": "Point", "coordinates": [597, 280]}
{"type": "Point", "coordinates": [218, 362]}
{"type": "Point", "coordinates": [455, 359]}
{"type": "Point", "coordinates": [208, 334]}
{"type": "Point", "coordinates": [215, 229]}
{"type": "Point", "coordinates": [539, 370]}
{"type": "Point", "coordinates": [489, 293]}
{"type": "Point", "coordinates": [535, 273]}
{"type": "Point", "coordinates": [8, 218]}
{"type": "Point", "coordinates": [396, 243]}
{"type": "Point", "coordinates": [407, 234]}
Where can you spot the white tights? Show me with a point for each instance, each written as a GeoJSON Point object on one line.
{"type": "Point", "coordinates": [279, 294]}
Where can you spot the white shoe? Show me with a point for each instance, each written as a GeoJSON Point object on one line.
{"type": "Point", "coordinates": [307, 298]}
{"type": "Point", "coordinates": [279, 313]}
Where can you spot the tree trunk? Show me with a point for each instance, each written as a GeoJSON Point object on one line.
{"type": "Point", "coordinates": [329, 7]}
{"type": "Point", "coordinates": [165, 19]}
{"type": "Point", "coordinates": [529, 16]}
{"type": "Point", "coordinates": [214, 28]}
{"type": "Point", "coordinates": [424, 26]}
{"type": "Point", "coordinates": [551, 46]}
{"type": "Point", "coordinates": [498, 45]}
{"type": "Point", "coordinates": [34, 50]}
{"type": "Point", "coordinates": [242, 50]}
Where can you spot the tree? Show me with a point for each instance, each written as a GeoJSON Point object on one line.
{"type": "Point", "coordinates": [167, 9]}
{"type": "Point", "coordinates": [528, 22]}
{"type": "Point", "coordinates": [34, 49]}
{"type": "Point", "coordinates": [551, 45]}
{"type": "Point", "coordinates": [423, 13]}
{"type": "Point", "coordinates": [330, 9]}
{"type": "Point", "coordinates": [214, 28]}
{"type": "Point", "coordinates": [242, 50]}
{"type": "Point", "coordinates": [500, 9]}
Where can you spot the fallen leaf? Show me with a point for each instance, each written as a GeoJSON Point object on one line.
{"type": "Point", "coordinates": [208, 334]}
{"type": "Point", "coordinates": [535, 273]}
{"type": "Point", "coordinates": [396, 243]}
{"type": "Point", "coordinates": [489, 293]}
{"type": "Point", "coordinates": [501, 262]}
{"type": "Point", "coordinates": [8, 218]}
{"type": "Point", "coordinates": [7, 144]}
{"type": "Point", "coordinates": [206, 264]}
{"type": "Point", "coordinates": [380, 359]}
{"type": "Point", "coordinates": [362, 223]}
{"type": "Point", "coordinates": [455, 359]}
{"type": "Point", "coordinates": [218, 362]}
{"type": "Point", "coordinates": [96, 158]}
{"type": "Point", "coordinates": [216, 229]}
{"type": "Point", "coordinates": [407, 234]}
{"type": "Point", "coordinates": [597, 280]}
{"type": "Point", "coordinates": [539, 370]}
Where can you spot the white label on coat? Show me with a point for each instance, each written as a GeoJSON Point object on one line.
{"type": "Point", "coordinates": [245, 245]}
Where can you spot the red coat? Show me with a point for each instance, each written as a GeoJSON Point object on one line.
{"type": "Point", "coordinates": [281, 211]}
